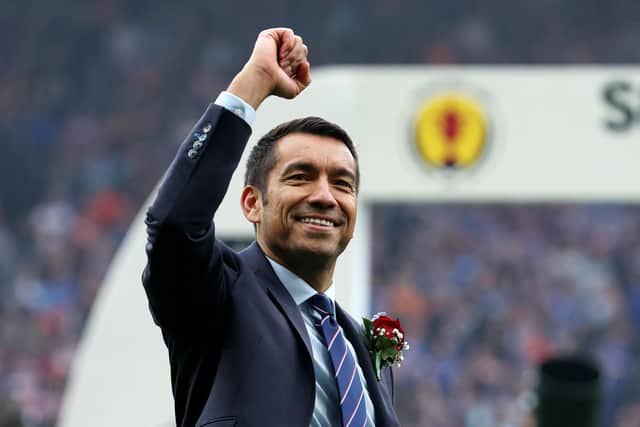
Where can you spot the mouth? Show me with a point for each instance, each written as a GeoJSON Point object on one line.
{"type": "Point", "coordinates": [322, 222]}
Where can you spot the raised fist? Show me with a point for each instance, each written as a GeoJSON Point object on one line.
{"type": "Point", "coordinates": [278, 66]}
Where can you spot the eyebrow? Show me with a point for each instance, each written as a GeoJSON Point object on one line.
{"type": "Point", "coordinates": [309, 167]}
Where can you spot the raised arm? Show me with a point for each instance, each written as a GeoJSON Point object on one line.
{"type": "Point", "coordinates": [188, 273]}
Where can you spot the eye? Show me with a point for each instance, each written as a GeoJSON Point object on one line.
{"type": "Point", "coordinates": [297, 177]}
{"type": "Point", "coordinates": [345, 184]}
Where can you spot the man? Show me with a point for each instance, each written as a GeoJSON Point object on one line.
{"type": "Point", "coordinates": [254, 338]}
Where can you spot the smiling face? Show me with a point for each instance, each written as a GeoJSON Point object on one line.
{"type": "Point", "coordinates": [308, 213]}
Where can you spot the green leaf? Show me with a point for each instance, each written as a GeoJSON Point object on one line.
{"type": "Point", "coordinates": [378, 367]}
{"type": "Point", "coordinates": [383, 343]}
{"type": "Point", "coordinates": [368, 324]}
{"type": "Point", "coordinates": [388, 353]}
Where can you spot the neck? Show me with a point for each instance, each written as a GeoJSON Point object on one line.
{"type": "Point", "coordinates": [320, 280]}
{"type": "Point", "coordinates": [316, 271]}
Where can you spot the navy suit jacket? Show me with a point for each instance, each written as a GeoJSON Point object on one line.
{"type": "Point", "coordinates": [238, 347]}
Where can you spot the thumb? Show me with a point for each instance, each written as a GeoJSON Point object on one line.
{"type": "Point", "coordinates": [290, 86]}
{"type": "Point", "coordinates": [303, 74]}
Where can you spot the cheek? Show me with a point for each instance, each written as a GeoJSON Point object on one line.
{"type": "Point", "coordinates": [350, 212]}
{"type": "Point", "coordinates": [285, 202]}
{"type": "Point", "coordinates": [350, 208]}
{"type": "Point", "coordinates": [276, 212]}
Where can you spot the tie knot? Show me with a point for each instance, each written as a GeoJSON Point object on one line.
{"type": "Point", "coordinates": [322, 304]}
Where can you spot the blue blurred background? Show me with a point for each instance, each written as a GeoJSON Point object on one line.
{"type": "Point", "coordinates": [489, 291]}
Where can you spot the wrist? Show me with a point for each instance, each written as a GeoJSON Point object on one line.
{"type": "Point", "coordinates": [252, 86]}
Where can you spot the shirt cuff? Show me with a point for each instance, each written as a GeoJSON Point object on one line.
{"type": "Point", "coordinates": [237, 106]}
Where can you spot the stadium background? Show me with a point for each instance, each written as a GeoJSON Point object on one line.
{"type": "Point", "coordinates": [94, 96]}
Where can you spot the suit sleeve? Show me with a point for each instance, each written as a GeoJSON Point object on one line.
{"type": "Point", "coordinates": [188, 273]}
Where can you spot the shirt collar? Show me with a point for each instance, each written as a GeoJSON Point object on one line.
{"type": "Point", "coordinates": [299, 290]}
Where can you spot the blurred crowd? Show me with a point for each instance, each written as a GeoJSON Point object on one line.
{"type": "Point", "coordinates": [488, 292]}
{"type": "Point", "coordinates": [95, 95]}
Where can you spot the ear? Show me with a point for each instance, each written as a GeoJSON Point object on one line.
{"type": "Point", "coordinates": [251, 204]}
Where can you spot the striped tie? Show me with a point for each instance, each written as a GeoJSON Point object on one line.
{"type": "Point", "coordinates": [352, 405]}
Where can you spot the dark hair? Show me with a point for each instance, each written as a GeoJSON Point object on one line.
{"type": "Point", "coordinates": [263, 157]}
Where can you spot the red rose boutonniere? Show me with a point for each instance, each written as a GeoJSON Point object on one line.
{"type": "Point", "coordinates": [386, 341]}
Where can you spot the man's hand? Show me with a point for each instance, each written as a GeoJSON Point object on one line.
{"type": "Point", "coordinates": [278, 66]}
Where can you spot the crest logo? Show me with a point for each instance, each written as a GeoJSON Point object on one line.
{"type": "Point", "coordinates": [451, 130]}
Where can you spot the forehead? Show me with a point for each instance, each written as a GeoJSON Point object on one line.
{"type": "Point", "coordinates": [320, 150]}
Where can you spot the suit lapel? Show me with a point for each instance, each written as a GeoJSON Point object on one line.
{"type": "Point", "coordinates": [379, 395]}
{"type": "Point", "coordinates": [277, 292]}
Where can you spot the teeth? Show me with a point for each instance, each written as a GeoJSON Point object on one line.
{"type": "Point", "coordinates": [318, 221]}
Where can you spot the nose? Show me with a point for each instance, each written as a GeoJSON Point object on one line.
{"type": "Point", "coordinates": [321, 195]}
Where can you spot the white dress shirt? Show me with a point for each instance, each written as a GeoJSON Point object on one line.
{"type": "Point", "coordinates": [237, 106]}
{"type": "Point", "coordinates": [326, 412]}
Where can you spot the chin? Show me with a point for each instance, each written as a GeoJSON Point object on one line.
{"type": "Point", "coordinates": [317, 253]}
{"type": "Point", "coordinates": [321, 251]}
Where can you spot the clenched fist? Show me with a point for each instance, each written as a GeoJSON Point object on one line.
{"type": "Point", "coordinates": [278, 66]}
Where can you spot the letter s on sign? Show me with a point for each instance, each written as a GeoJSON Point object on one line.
{"type": "Point", "coordinates": [614, 96]}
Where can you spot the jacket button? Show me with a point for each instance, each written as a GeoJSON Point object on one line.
{"type": "Point", "coordinates": [192, 154]}
{"type": "Point", "coordinates": [197, 145]}
{"type": "Point", "coordinates": [206, 128]}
